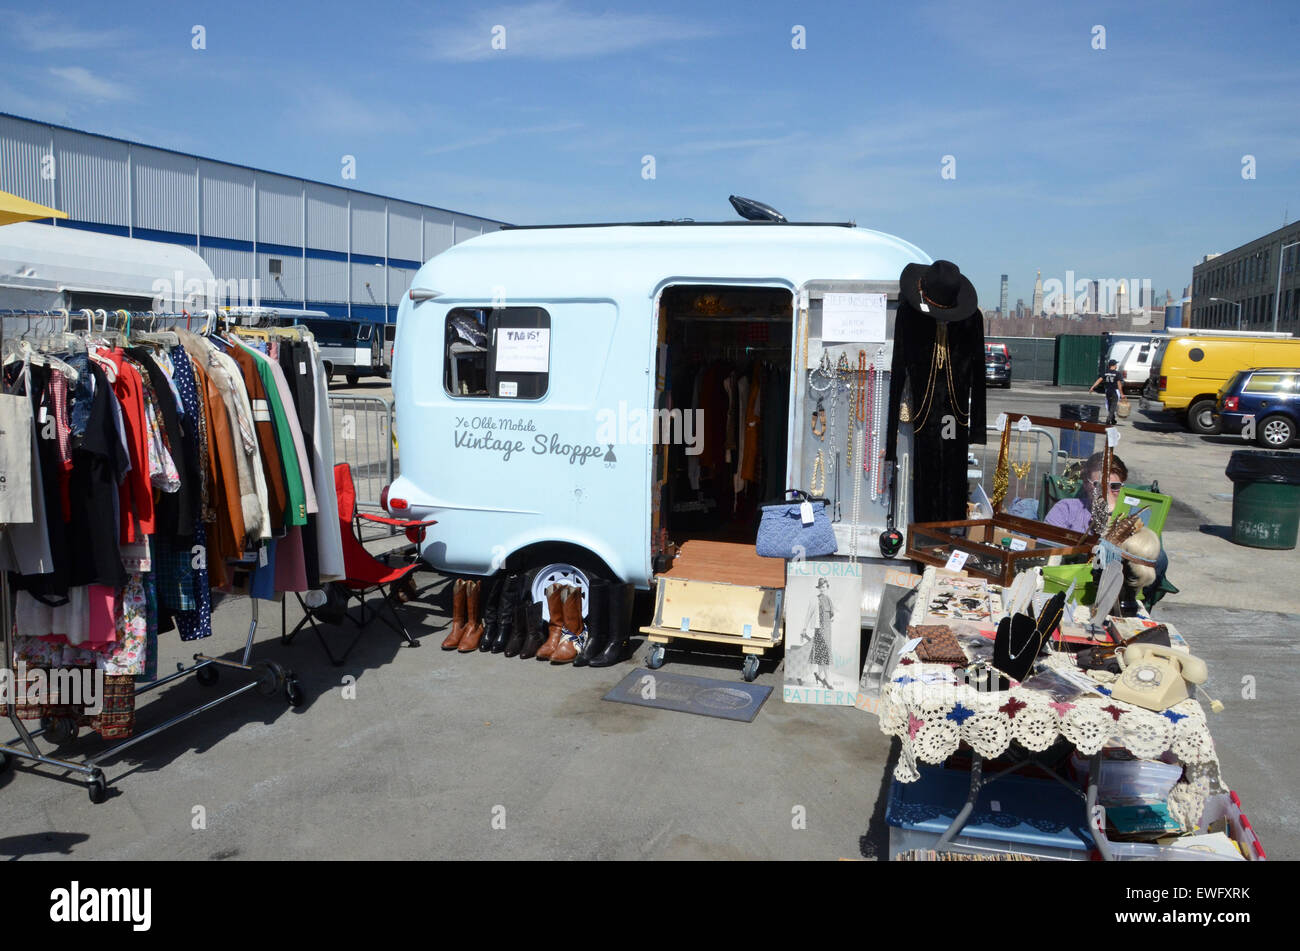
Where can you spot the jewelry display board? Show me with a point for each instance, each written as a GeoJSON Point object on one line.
{"type": "Point", "coordinates": [838, 416]}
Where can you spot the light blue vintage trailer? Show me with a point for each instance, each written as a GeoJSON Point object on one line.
{"type": "Point", "coordinates": [527, 364]}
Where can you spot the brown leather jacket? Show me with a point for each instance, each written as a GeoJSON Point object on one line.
{"type": "Point", "coordinates": [272, 467]}
{"type": "Point", "coordinates": [225, 534]}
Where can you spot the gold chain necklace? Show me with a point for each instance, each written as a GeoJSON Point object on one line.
{"type": "Point", "coordinates": [818, 486]}
{"type": "Point", "coordinates": [1021, 468]}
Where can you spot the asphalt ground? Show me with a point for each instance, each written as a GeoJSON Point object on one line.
{"type": "Point", "coordinates": [419, 753]}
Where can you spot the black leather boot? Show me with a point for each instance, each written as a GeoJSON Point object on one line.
{"type": "Point", "coordinates": [537, 630]}
{"type": "Point", "coordinates": [506, 613]}
{"type": "Point", "coordinates": [520, 633]}
{"type": "Point", "coordinates": [618, 625]}
{"type": "Point", "coordinates": [597, 622]}
{"type": "Point", "coordinates": [491, 614]}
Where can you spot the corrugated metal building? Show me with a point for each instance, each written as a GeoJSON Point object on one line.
{"type": "Point", "coordinates": [308, 244]}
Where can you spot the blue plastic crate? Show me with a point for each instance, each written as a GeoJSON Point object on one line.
{"type": "Point", "coordinates": [1037, 817]}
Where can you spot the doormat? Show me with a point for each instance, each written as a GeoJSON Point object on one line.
{"type": "Point", "coordinates": [704, 696]}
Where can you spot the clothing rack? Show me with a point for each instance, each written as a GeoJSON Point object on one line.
{"type": "Point", "coordinates": [267, 677]}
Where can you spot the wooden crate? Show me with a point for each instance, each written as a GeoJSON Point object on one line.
{"type": "Point", "coordinates": [933, 543]}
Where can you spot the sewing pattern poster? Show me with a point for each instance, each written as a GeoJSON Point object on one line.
{"type": "Point", "coordinates": [823, 628]}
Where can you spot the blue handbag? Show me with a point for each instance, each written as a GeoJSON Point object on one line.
{"type": "Point", "coordinates": [783, 534]}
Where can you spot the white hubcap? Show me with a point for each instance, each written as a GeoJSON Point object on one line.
{"type": "Point", "coordinates": [558, 573]}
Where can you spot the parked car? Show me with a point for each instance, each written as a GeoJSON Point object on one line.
{"type": "Point", "coordinates": [1193, 366]}
{"type": "Point", "coordinates": [997, 364]}
{"type": "Point", "coordinates": [1270, 396]}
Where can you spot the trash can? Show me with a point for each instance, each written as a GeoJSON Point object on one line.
{"type": "Point", "coordinates": [1079, 445]}
{"type": "Point", "coordinates": [1265, 498]}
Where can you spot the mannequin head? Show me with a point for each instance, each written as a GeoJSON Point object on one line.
{"type": "Point", "coordinates": [1141, 550]}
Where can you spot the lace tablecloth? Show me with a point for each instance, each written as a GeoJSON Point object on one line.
{"type": "Point", "coordinates": [932, 718]}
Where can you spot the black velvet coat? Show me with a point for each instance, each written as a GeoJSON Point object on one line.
{"type": "Point", "coordinates": [939, 465]}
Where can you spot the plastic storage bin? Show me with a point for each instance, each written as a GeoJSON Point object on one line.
{"type": "Point", "coordinates": [1037, 817]}
{"type": "Point", "coordinates": [1130, 782]}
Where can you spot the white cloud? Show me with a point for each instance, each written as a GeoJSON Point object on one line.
{"type": "Point", "coordinates": [83, 82]}
{"type": "Point", "coordinates": [552, 30]}
{"type": "Point", "coordinates": [42, 34]}
{"type": "Point", "coordinates": [503, 131]}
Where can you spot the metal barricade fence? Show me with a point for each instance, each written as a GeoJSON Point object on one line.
{"type": "Point", "coordinates": [1037, 446]}
{"type": "Point", "coordinates": [363, 438]}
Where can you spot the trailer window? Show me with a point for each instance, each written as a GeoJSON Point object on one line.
{"type": "Point", "coordinates": [497, 353]}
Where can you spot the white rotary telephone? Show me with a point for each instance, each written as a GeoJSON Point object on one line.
{"type": "Point", "coordinates": [1156, 677]}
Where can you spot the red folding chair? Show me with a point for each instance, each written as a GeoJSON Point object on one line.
{"type": "Point", "coordinates": [365, 573]}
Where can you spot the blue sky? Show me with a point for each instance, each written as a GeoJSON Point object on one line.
{"type": "Point", "coordinates": [1117, 163]}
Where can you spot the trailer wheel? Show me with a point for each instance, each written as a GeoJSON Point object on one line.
{"type": "Point", "coordinates": [539, 579]}
{"type": "Point", "coordinates": [352, 379]}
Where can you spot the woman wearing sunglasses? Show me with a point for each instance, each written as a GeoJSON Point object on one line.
{"type": "Point", "coordinates": [1075, 514]}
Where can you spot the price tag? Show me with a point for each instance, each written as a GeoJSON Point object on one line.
{"type": "Point", "coordinates": [806, 513]}
{"type": "Point", "coordinates": [1019, 544]}
{"type": "Point", "coordinates": [1129, 500]}
{"type": "Point", "coordinates": [302, 368]}
{"type": "Point", "coordinates": [1001, 422]}
{"type": "Point", "coordinates": [1023, 424]}
{"type": "Point", "coordinates": [995, 806]}
{"type": "Point", "coordinates": [43, 415]}
{"type": "Point", "coordinates": [686, 624]}
{"type": "Point", "coordinates": [911, 645]}
{"type": "Point", "coordinates": [747, 631]}
{"type": "Point", "coordinates": [1112, 437]}
{"type": "Point", "coordinates": [261, 556]}
{"type": "Point", "coordinates": [956, 561]}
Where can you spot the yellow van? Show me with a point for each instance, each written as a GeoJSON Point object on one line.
{"type": "Point", "coordinates": [1193, 366]}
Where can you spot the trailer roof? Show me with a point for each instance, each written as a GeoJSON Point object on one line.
{"type": "Point", "coordinates": [600, 261]}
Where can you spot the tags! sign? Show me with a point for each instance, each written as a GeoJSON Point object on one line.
{"type": "Point", "coordinates": [523, 350]}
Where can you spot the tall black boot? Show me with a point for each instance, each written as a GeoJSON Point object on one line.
{"type": "Point", "coordinates": [597, 622]}
{"type": "Point", "coordinates": [491, 615]}
{"type": "Point", "coordinates": [618, 625]}
{"type": "Point", "coordinates": [506, 613]}
{"type": "Point", "coordinates": [537, 630]}
{"type": "Point", "coordinates": [520, 634]}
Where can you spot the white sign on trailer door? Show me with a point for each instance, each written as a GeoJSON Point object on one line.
{"type": "Point", "coordinates": [523, 350]}
{"type": "Point", "coordinates": [858, 318]}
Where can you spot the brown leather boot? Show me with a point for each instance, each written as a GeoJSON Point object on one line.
{"type": "Point", "coordinates": [555, 605]}
{"type": "Point", "coordinates": [474, 620]}
{"type": "Point", "coordinates": [571, 642]}
{"type": "Point", "coordinates": [457, 616]}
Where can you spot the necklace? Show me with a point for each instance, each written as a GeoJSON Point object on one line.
{"type": "Point", "coordinates": [818, 485]}
{"type": "Point", "coordinates": [1033, 632]}
{"type": "Point", "coordinates": [1022, 467]}
{"type": "Point", "coordinates": [826, 372]}
{"type": "Point", "coordinates": [877, 436]}
{"type": "Point", "coordinates": [870, 457]}
{"type": "Point", "coordinates": [819, 418]}
{"type": "Point", "coordinates": [1000, 480]}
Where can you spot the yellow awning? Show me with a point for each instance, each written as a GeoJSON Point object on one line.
{"type": "Point", "coordinates": [13, 208]}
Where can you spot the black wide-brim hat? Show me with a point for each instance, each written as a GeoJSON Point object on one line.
{"type": "Point", "coordinates": [939, 290]}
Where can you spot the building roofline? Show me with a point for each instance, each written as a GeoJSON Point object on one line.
{"type": "Point", "coordinates": [1275, 234]}
{"type": "Point", "coordinates": [251, 168]}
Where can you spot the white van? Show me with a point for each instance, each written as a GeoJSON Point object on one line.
{"type": "Point", "coordinates": [537, 369]}
{"type": "Point", "coordinates": [1135, 358]}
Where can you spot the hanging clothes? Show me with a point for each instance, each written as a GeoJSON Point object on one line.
{"type": "Point", "coordinates": [163, 468]}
